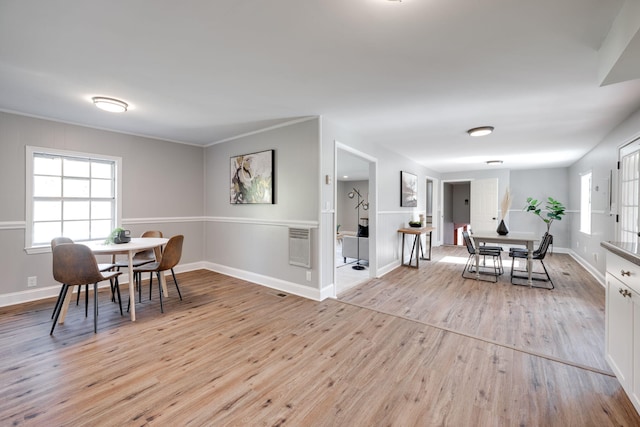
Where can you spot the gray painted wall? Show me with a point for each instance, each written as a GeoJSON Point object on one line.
{"type": "Point", "coordinates": [169, 187]}
{"type": "Point", "coordinates": [253, 239]}
{"type": "Point", "coordinates": [162, 190]}
{"type": "Point", "coordinates": [461, 203]}
{"type": "Point", "coordinates": [540, 184]}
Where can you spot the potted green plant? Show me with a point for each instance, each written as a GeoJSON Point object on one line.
{"type": "Point", "coordinates": [114, 234]}
{"type": "Point", "coordinates": [554, 210]}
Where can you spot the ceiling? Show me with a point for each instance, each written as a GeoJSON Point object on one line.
{"type": "Point", "coordinates": [553, 77]}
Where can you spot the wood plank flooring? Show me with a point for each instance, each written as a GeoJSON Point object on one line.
{"type": "Point", "coordinates": [566, 323]}
{"type": "Point", "coordinates": [237, 354]}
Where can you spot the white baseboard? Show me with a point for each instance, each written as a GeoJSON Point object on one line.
{"type": "Point", "coordinates": [388, 268]}
{"type": "Point", "coordinates": [271, 282]}
{"type": "Point", "coordinates": [53, 290]}
{"type": "Point", "coordinates": [594, 272]}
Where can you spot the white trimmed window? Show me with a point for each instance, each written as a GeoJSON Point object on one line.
{"type": "Point", "coordinates": [70, 194]}
{"type": "Point", "coordinates": [585, 203]}
{"type": "Point", "coordinates": [629, 192]}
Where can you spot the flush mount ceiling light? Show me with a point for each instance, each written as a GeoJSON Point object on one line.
{"type": "Point", "coordinates": [481, 131]}
{"type": "Point", "coordinates": [110, 104]}
{"type": "Point", "coordinates": [494, 162]}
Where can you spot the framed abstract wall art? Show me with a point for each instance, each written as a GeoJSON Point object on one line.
{"type": "Point", "coordinates": [252, 178]}
{"type": "Point", "coordinates": [408, 189]}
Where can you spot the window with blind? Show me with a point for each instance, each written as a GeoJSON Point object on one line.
{"type": "Point", "coordinates": [70, 194]}
{"type": "Point", "coordinates": [629, 192]}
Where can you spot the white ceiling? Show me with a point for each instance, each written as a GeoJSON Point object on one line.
{"type": "Point", "coordinates": [411, 75]}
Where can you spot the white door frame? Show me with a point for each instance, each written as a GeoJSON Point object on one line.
{"type": "Point", "coordinates": [436, 202]}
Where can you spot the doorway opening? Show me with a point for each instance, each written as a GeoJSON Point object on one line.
{"type": "Point", "coordinates": [456, 210]}
{"type": "Point", "coordinates": [354, 217]}
{"type": "Point", "coordinates": [468, 204]}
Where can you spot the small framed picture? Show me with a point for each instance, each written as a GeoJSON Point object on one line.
{"type": "Point", "coordinates": [408, 189]}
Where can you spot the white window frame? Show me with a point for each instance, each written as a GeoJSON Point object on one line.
{"type": "Point", "coordinates": [31, 151]}
{"type": "Point", "coordinates": [586, 184]}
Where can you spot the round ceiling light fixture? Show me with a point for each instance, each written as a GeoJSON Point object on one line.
{"type": "Point", "coordinates": [480, 131]}
{"type": "Point", "coordinates": [494, 162]}
{"type": "Point", "coordinates": [111, 105]}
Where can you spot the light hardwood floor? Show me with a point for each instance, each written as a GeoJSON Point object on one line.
{"type": "Point", "coordinates": [235, 353]}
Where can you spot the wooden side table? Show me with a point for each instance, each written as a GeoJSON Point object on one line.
{"type": "Point", "coordinates": [417, 244]}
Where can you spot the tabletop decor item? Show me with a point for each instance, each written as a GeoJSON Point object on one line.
{"type": "Point", "coordinates": [504, 210]}
{"type": "Point", "coordinates": [554, 210]}
{"type": "Point", "coordinates": [118, 235]}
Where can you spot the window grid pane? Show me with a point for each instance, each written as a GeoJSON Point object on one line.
{"type": "Point", "coordinates": [66, 191]}
{"type": "Point", "coordinates": [629, 197]}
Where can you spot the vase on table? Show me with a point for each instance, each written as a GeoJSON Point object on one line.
{"type": "Point", "coordinates": [502, 228]}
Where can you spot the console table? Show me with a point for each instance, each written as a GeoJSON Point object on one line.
{"type": "Point", "coordinates": [417, 247]}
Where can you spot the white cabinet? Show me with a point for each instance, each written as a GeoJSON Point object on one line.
{"type": "Point", "coordinates": [619, 330]}
{"type": "Point", "coordinates": [623, 324]}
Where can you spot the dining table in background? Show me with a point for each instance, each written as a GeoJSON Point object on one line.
{"type": "Point", "coordinates": [131, 248]}
{"type": "Point", "coordinates": [526, 239]}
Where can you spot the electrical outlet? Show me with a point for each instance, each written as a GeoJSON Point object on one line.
{"type": "Point", "coordinates": [595, 257]}
{"type": "Point", "coordinates": [308, 276]}
{"type": "Point", "coordinates": [32, 281]}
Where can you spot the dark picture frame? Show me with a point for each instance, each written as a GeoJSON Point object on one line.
{"type": "Point", "coordinates": [251, 178]}
{"type": "Point", "coordinates": [408, 190]}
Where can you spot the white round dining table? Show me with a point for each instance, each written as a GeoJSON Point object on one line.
{"type": "Point", "coordinates": [137, 244]}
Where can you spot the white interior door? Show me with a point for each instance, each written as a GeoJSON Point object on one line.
{"type": "Point", "coordinates": [484, 204]}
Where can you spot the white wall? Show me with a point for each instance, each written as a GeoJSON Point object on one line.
{"type": "Point", "coordinates": [162, 190]}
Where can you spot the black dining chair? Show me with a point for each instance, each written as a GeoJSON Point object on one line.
{"type": "Point", "coordinates": [539, 255]}
{"type": "Point", "coordinates": [495, 253]}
